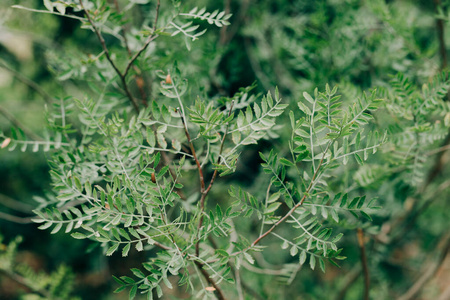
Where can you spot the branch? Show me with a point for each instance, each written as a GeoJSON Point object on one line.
{"type": "Point", "coordinates": [150, 38]}
{"type": "Point", "coordinates": [140, 83]}
{"type": "Point", "coordinates": [108, 57]}
{"type": "Point", "coordinates": [205, 274]}
{"type": "Point", "coordinates": [194, 154]}
{"type": "Point", "coordinates": [205, 192]}
{"type": "Point", "coordinates": [290, 212]}
{"type": "Point", "coordinates": [360, 236]}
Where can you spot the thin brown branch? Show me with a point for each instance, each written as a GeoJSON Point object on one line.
{"type": "Point", "coordinates": [162, 246]}
{"type": "Point", "coordinates": [438, 150]}
{"type": "Point", "coordinates": [140, 83]}
{"type": "Point", "coordinates": [194, 154]}
{"type": "Point", "coordinates": [290, 212]}
{"type": "Point", "coordinates": [31, 84]}
{"type": "Point", "coordinates": [213, 178]}
{"type": "Point", "coordinates": [150, 38]}
{"type": "Point", "coordinates": [108, 57]}
{"type": "Point", "coordinates": [365, 268]}
{"type": "Point", "coordinates": [205, 274]}
{"type": "Point", "coordinates": [125, 40]}
{"type": "Point", "coordinates": [16, 123]}
{"type": "Point", "coordinates": [200, 173]}
{"type": "Point", "coordinates": [430, 272]}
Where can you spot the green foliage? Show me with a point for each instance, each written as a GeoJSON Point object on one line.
{"type": "Point", "coordinates": [149, 154]}
{"type": "Point", "coordinates": [56, 285]}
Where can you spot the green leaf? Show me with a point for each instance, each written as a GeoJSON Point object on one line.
{"type": "Point", "coordinates": [138, 273]}
{"type": "Point", "coordinates": [312, 262]}
{"type": "Point", "coordinates": [308, 97]}
{"type": "Point", "coordinates": [126, 249]}
{"type": "Point", "coordinates": [167, 282]}
{"type": "Point", "coordinates": [112, 249]}
{"type": "Point", "coordinates": [274, 197]}
{"type": "Point", "coordinates": [120, 289]}
{"type": "Point", "coordinates": [132, 292]}
{"type": "Point", "coordinates": [78, 235]}
{"type": "Point", "coordinates": [45, 226]}
{"type": "Point", "coordinates": [272, 208]}
{"type": "Point", "coordinates": [302, 257]}
{"type": "Point", "coordinates": [219, 212]}
{"type": "Point", "coordinates": [249, 258]}
{"type": "Point", "coordinates": [322, 264]}
{"type": "Point", "coordinates": [56, 228]}
{"type": "Point", "coordinates": [48, 5]}
{"type": "Point", "coordinates": [344, 200]}
{"type": "Point", "coordinates": [337, 237]}
{"type": "Point", "coordinates": [286, 162]}
{"type": "Point", "coordinates": [139, 246]}
{"type": "Point", "coordinates": [294, 250]}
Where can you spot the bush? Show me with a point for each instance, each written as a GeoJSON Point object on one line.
{"type": "Point", "coordinates": [166, 148]}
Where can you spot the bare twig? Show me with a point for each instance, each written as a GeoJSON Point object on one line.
{"type": "Point", "coordinates": [361, 243]}
{"type": "Point", "coordinates": [428, 274]}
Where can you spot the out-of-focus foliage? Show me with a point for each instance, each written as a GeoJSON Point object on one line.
{"type": "Point", "coordinates": [135, 108]}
